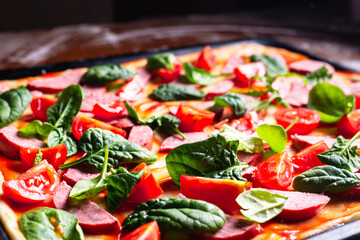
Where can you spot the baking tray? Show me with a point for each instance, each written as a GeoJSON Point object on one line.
{"type": "Point", "coordinates": [348, 231]}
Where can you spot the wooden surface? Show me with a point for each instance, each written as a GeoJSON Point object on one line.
{"type": "Point", "coordinates": [24, 49]}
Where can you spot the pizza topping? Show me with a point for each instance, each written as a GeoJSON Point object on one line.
{"type": "Point", "coordinates": [349, 125]}
{"type": "Point", "coordinates": [274, 66]}
{"type": "Point", "coordinates": [248, 72]}
{"type": "Point", "coordinates": [40, 105]}
{"type": "Point", "coordinates": [193, 119]}
{"type": "Point", "coordinates": [101, 74]}
{"type": "Point", "coordinates": [58, 137]}
{"type": "Point", "coordinates": [176, 140]}
{"type": "Point", "coordinates": [50, 223]}
{"type": "Point", "coordinates": [179, 214]}
{"type": "Point", "coordinates": [207, 59]}
{"type": "Point", "coordinates": [306, 66]}
{"type": "Point", "coordinates": [114, 110]}
{"type": "Point", "coordinates": [176, 92]}
{"type": "Point", "coordinates": [55, 155]}
{"type": "Point", "coordinates": [274, 135]}
{"type": "Point", "coordinates": [133, 89]}
{"type": "Point", "coordinates": [13, 104]}
{"type": "Point", "coordinates": [232, 100]}
{"type": "Point", "coordinates": [199, 75]}
{"type": "Point", "coordinates": [148, 231]}
{"type": "Point", "coordinates": [320, 75]}
{"type": "Point", "coordinates": [219, 89]}
{"type": "Point", "coordinates": [37, 127]}
{"type": "Point", "coordinates": [162, 60]}
{"type": "Point", "coordinates": [142, 135]}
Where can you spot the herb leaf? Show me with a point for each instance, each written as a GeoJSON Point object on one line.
{"type": "Point", "coordinates": [330, 102]}
{"type": "Point", "coordinates": [109, 72]}
{"type": "Point", "coordinates": [274, 135]}
{"type": "Point", "coordinates": [323, 179]}
{"type": "Point", "coordinates": [197, 75]}
{"type": "Point", "coordinates": [320, 75]}
{"type": "Point", "coordinates": [37, 224]}
{"type": "Point", "coordinates": [176, 92]}
{"type": "Point", "coordinates": [12, 105]}
{"type": "Point", "coordinates": [232, 100]}
{"type": "Point", "coordinates": [38, 158]}
{"type": "Point", "coordinates": [260, 205]}
{"type": "Point", "coordinates": [37, 127]}
{"type": "Point", "coordinates": [231, 173]}
{"type": "Point", "coordinates": [162, 60]}
{"type": "Point", "coordinates": [179, 214]}
{"type": "Point", "coordinates": [274, 67]}
{"type": "Point", "coordinates": [59, 136]}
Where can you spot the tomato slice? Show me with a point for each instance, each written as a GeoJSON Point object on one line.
{"type": "Point", "coordinates": [207, 59]}
{"type": "Point", "coordinates": [55, 155]}
{"type": "Point", "coordinates": [110, 111]}
{"type": "Point", "coordinates": [35, 185]}
{"type": "Point", "coordinates": [275, 172]}
{"type": "Point", "coordinates": [82, 123]}
{"type": "Point", "coordinates": [166, 75]}
{"type": "Point", "coordinates": [147, 188]}
{"type": "Point", "coordinates": [40, 105]}
{"type": "Point", "coordinates": [148, 231]}
{"type": "Point", "coordinates": [193, 119]}
{"type": "Point", "coordinates": [349, 125]}
{"type": "Point", "coordinates": [243, 73]}
{"type": "Point", "coordinates": [308, 119]}
{"type": "Point", "coordinates": [307, 159]}
{"type": "Point", "coordinates": [221, 192]}
{"type": "Point", "coordinates": [247, 124]}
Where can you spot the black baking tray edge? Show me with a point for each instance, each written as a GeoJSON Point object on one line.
{"type": "Point", "coordinates": [348, 231]}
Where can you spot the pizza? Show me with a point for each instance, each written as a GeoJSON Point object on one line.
{"type": "Point", "coordinates": [243, 141]}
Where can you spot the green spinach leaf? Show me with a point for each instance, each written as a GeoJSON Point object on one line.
{"type": "Point", "coordinates": [176, 92]}
{"type": "Point", "coordinates": [37, 127]}
{"type": "Point", "coordinates": [179, 214]}
{"type": "Point", "coordinates": [162, 60]}
{"type": "Point", "coordinates": [60, 136]}
{"type": "Point", "coordinates": [101, 74]}
{"type": "Point", "coordinates": [320, 75]}
{"type": "Point", "coordinates": [274, 67]}
{"type": "Point", "coordinates": [232, 100]}
{"type": "Point", "coordinates": [231, 173]}
{"type": "Point", "coordinates": [12, 105]}
{"type": "Point", "coordinates": [274, 135]}
{"type": "Point", "coordinates": [197, 75]}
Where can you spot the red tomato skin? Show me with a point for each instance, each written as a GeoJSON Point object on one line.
{"type": "Point", "coordinates": [147, 188]}
{"type": "Point", "coordinates": [148, 231]}
{"type": "Point", "coordinates": [193, 119]}
{"type": "Point", "coordinates": [243, 73]}
{"type": "Point", "coordinates": [23, 189]}
{"type": "Point", "coordinates": [275, 172]}
{"type": "Point", "coordinates": [40, 105]}
{"type": "Point", "coordinates": [247, 124]}
{"type": "Point", "coordinates": [349, 125]}
{"type": "Point", "coordinates": [207, 59]}
{"type": "Point", "coordinates": [82, 123]}
{"type": "Point", "coordinates": [357, 101]}
{"type": "Point", "coordinates": [110, 111]}
{"type": "Point", "coordinates": [308, 119]}
{"type": "Point", "coordinates": [55, 156]}
{"type": "Point", "coordinates": [221, 192]}
{"type": "Point", "coordinates": [166, 75]}
{"type": "Point", "coordinates": [306, 158]}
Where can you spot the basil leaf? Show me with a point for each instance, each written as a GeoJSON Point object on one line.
{"type": "Point", "coordinates": [197, 75]}
{"type": "Point", "coordinates": [232, 100]}
{"type": "Point", "coordinates": [274, 67]}
{"type": "Point", "coordinates": [41, 224]}
{"type": "Point", "coordinates": [247, 143]}
{"type": "Point", "coordinates": [119, 186]}
{"type": "Point", "coordinates": [175, 92]}
{"type": "Point", "coordinates": [169, 124]}
{"type": "Point", "coordinates": [162, 60]}
{"type": "Point", "coordinates": [58, 137]}
{"type": "Point", "coordinates": [131, 111]}
{"type": "Point", "coordinates": [38, 158]}
{"type": "Point", "coordinates": [200, 158]}
{"type": "Point", "coordinates": [62, 113]}
{"type": "Point", "coordinates": [231, 173]}
{"type": "Point", "coordinates": [330, 102]}
{"type": "Point", "coordinates": [179, 214]}
{"type": "Point", "coordinates": [260, 205]}
{"type": "Point", "coordinates": [101, 74]}
{"type": "Point", "coordinates": [323, 179]}
{"type": "Point", "coordinates": [274, 135]}
{"type": "Point", "coordinates": [320, 75]}
{"type": "Point", "coordinates": [13, 104]}
{"type": "Point", "coordinates": [121, 151]}
{"type": "Point", "coordinates": [37, 127]}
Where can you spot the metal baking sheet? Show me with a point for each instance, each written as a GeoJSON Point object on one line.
{"type": "Point", "coordinates": [348, 231]}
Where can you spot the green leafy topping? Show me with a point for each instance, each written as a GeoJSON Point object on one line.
{"type": "Point", "coordinates": [274, 135]}
{"type": "Point", "coordinates": [231, 173]}
{"type": "Point", "coordinates": [232, 100]}
{"type": "Point", "coordinates": [330, 102]}
{"type": "Point", "coordinates": [101, 74]}
{"type": "Point", "coordinates": [320, 75]}
{"type": "Point", "coordinates": [197, 75]}
{"type": "Point", "coordinates": [37, 127]}
{"type": "Point", "coordinates": [38, 158]}
{"type": "Point", "coordinates": [178, 214]}
{"type": "Point", "coordinates": [59, 136]}
{"type": "Point", "coordinates": [13, 104]}
{"type": "Point", "coordinates": [162, 60]}
{"type": "Point", "coordinates": [176, 92]}
{"type": "Point", "coordinates": [260, 205]}
{"type": "Point", "coordinates": [274, 67]}
{"type": "Point", "coordinates": [323, 179]}
{"type": "Point", "coordinates": [41, 224]}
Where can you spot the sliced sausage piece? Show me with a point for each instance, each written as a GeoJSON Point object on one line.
{"type": "Point", "coordinates": [232, 63]}
{"type": "Point", "coordinates": [300, 206]}
{"type": "Point", "coordinates": [4, 87]}
{"type": "Point", "coordinates": [235, 229]}
{"type": "Point", "coordinates": [302, 141]}
{"type": "Point", "coordinates": [339, 83]}
{"type": "Point", "coordinates": [133, 89]}
{"type": "Point", "coordinates": [176, 140]}
{"type": "Point", "coordinates": [56, 82]}
{"type": "Point", "coordinates": [248, 173]}
{"type": "Point", "coordinates": [352, 193]}
{"type": "Point", "coordinates": [250, 158]}
{"type": "Point", "coordinates": [142, 135]}
{"type": "Point", "coordinates": [94, 97]}
{"type": "Point", "coordinates": [72, 175]}
{"type": "Point", "coordinates": [123, 123]}
{"type": "Point", "coordinates": [220, 88]}
{"type": "Point", "coordinates": [11, 142]}
{"type": "Point", "coordinates": [307, 66]}
{"type": "Point", "coordinates": [92, 218]}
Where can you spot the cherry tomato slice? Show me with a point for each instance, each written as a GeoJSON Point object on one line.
{"type": "Point", "coordinates": [307, 121]}
{"type": "Point", "coordinates": [82, 123]}
{"type": "Point", "coordinates": [306, 158]}
{"type": "Point", "coordinates": [246, 124]}
{"type": "Point", "coordinates": [221, 192]}
{"type": "Point", "coordinates": [207, 59]}
{"type": "Point", "coordinates": [243, 73]}
{"type": "Point", "coordinates": [55, 155]}
{"type": "Point", "coordinates": [275, 172]}
{"type": "Point", "coordinates": [110, 111]}
{"type": "Point", "coordinates": [193, 119]}
{"type": "Point", "coordinates": [167, 75]}
{"type": "Point", "coordinates": [349, 125]}
{"type": "Point", "coordinates": [35, 185]}
{"type": "Point", "coordinates": [147, 188]}
{"type": "Point", "coordinates": [40, 105]}
{"type": "Point", "coordinates": [148, 231]}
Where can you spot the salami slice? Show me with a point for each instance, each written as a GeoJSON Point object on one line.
{"type": "Point", "coordinates": [302, 141]}
{"type": "Point", "coordinates": [176, 140]}
{"type": "Point", "coordinates": [307, 66]}
{"type": "Point", "coordinates": [220, 88]}
{"type": "Point", "coordinates": [141, 135]}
